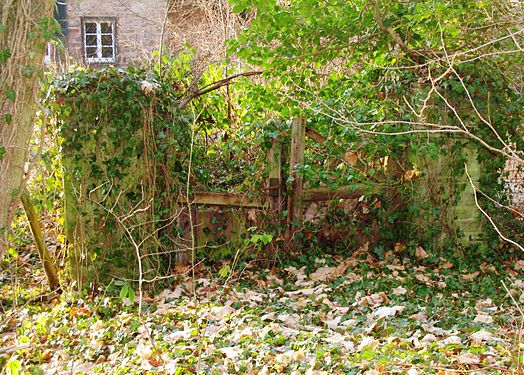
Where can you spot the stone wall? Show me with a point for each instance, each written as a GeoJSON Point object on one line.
{"type": "Point", "coordinates": [515, 184]}
{"type": "Point", "coordinates": [138, 26]}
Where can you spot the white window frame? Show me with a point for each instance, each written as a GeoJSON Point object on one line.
{"type": "Point", "coordinates": [98, 21]}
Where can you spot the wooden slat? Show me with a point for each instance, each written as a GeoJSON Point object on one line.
{"type": "Point", "coordinates": [325, 193]}
{"type": "Point", "coordinates": [227, 199]}
{"type": "Point", "coordinates": [314, 135]}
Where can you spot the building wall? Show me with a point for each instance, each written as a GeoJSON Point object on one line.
{"type": "Point", "coordinates": [138, 26]}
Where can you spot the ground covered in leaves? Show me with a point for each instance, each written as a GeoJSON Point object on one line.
{"type": "Point", "coordinates": [314, 315]}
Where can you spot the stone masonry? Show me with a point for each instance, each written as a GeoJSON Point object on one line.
{"type": "Point", "coordinates": [138, 27]}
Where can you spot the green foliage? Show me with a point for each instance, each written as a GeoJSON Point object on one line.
{"type": "Point", "coordinates": [125, 153]}
{"type": "Point", "coordinates": [4, 55]}
{"type": "Point", "coordinates": [339, 64]}
{"type": "Point", "coordinates": [126, 291]}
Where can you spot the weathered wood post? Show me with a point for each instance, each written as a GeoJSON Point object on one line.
{"type": "Point", "coordinates": [296, 158]}
{"type": "Point", "coordinates": [275, 177]}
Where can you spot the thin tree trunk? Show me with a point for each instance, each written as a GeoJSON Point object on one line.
{"type": "Point", "coordinates": [22, 47]}
{"type": "Point", "coordinates": [45, 257]}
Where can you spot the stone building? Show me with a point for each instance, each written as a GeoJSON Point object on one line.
{"type": "Point", "coordinates": [124, 32]}
{"type": "Point", "coordinates": [115, 32]}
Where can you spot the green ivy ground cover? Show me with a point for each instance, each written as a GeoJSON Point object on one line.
{"type": "Point", "coordinates": [329, 315]}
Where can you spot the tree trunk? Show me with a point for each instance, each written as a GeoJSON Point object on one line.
{"type": "Point", "coordinates": [23, 27]}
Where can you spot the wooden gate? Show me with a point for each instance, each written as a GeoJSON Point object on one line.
{"type": "Point", "coordinates": [213, 209]}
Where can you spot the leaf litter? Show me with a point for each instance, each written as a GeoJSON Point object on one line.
{"type": "Point", "coordinates": [334, 316]}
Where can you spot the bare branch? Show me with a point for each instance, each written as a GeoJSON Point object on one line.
{"type": "Point", "coordinates": [214, 86]}
{"type": "Point", "coordinates": [486, 214]}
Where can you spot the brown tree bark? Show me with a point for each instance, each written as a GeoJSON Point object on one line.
{"type": "Point", "coordinates": [23, 25]}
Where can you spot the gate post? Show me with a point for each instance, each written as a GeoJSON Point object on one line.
{"type": "Point", "coordinates": [296, 158]}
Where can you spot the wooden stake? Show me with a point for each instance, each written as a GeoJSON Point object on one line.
{"type": "Point", "coordinates": [296, 158]}
{"type": "Point", "coordinates": [275, 176]}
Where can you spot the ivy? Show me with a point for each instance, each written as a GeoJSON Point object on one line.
{"type": "Point", "coordinates": [125, 147]}
{"type": "Point", "coordinates": [4, 55]}
{"type": "Point", "coordinates": [340, 64]}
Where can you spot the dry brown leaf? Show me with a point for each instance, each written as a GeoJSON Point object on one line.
{"type": "Point", "coordinates": [385, 311]}
{"type": "Point", "coordinates": [399, 290]}
{"type": "Point", "coordinates": [421, 253]}
{"type": "Point", "coordinates": [482, 336]}
{"type": "Point", "coordinates": [519, 265]}
{"type": "Point", "coordinates": [351, 158]}
{"type": "Point", "coordinates": [468, 359]}
{"type": "Point", "coordinates": [399, 247]}
{"type": "Point", "coordinates": [483, 318]}
{"type": "Point", "coordinates": [470, 276]}
{"type": "Point", "coordinates": [252, 215]}
{"type": "Point", "coordinates": [181, 268]}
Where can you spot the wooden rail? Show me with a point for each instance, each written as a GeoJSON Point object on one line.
{"type": "Point", "coordinates": [228, 199]}
{"type": "Point", "coordinates": [325, 193]}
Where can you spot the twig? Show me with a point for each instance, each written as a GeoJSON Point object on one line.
{"type": "Point", "coordinates": [14, 348]}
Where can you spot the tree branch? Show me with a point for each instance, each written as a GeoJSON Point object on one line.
{"type": "Point", "coordinates": [214, 86]}
{"type": "Point", "coordinates": [413, 55]}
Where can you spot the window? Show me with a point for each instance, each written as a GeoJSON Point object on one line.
{"type": "Point", "coordinates": [99, 40]}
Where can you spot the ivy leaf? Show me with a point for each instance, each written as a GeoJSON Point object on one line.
{"type": "Point", "coordinates": [124, 291]}
{"type": "Point", "coordinates": [14, 366]}
{"type": "Point", "coordinates": [131, 294]}
{"type": "Point", "coordinates": [28, 71]}
{"type": "Point", "coordinates": [4, 55]}
{"type": "Point", "coordinates": [11, 95]}
{"type": "Point", "coordinates": [2, 152]}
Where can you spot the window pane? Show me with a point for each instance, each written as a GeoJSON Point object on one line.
{"type": "Point", "coordinates": [107, 52]}
{"type": "Point", "coordinates": [107, 27]}
{"type": "Point", "coordinates": [91, 40]}
{"type": "Point", "coordinates": [90, 27]}
{"type": "Point", "coordinates": [91, 52]}
{"type": "Point", "coordinates": [107, 40]}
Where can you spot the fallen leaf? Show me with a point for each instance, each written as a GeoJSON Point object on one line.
{"type": "Point", "coordinates": [231, 352]}
{"type": "Point", "coordinates": [399, 290]}
{"type": "Point", "coordinates": [429, 338]}
{"type": "Point", "coordinates": [481, 336]}
{"type": "Point", "coordinates": [421, 253]}
{"type": "Point", "coordinates": [385, 311]}
{"type": "Point", "coordinates": [451, 340]}
{"type": "Point", "coordinates": [468, 359]}
{"type": "Point", "coordinates": [333, 323]}
{"type": "Point", "coordinates": [351, 158]}
{"type": "Point", "coordinates": [519, 265]}
{"type": "Point", "coordinates": [420, 316]}
{"type": "Point", "coordinates": [291, 320]}
{"type": "Point", "coordinates": [180, 268]}
{"type": "Point", "coordinates": [252, 215]}
{"type": "Point", "coordinates": [367, 341]}
{"type": "Point", "coordinates": [399, 247]}
{"type": "Point", "coordinates": [373, 300]}
{"type": "Point", "coordinates": [219, 312]}
{"type": "Point", "coordinates": [483, 318]}
{"type": "Point", "coordinates": [470, 276]}
{"type": "Point", "coordinates": [322, 274]}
